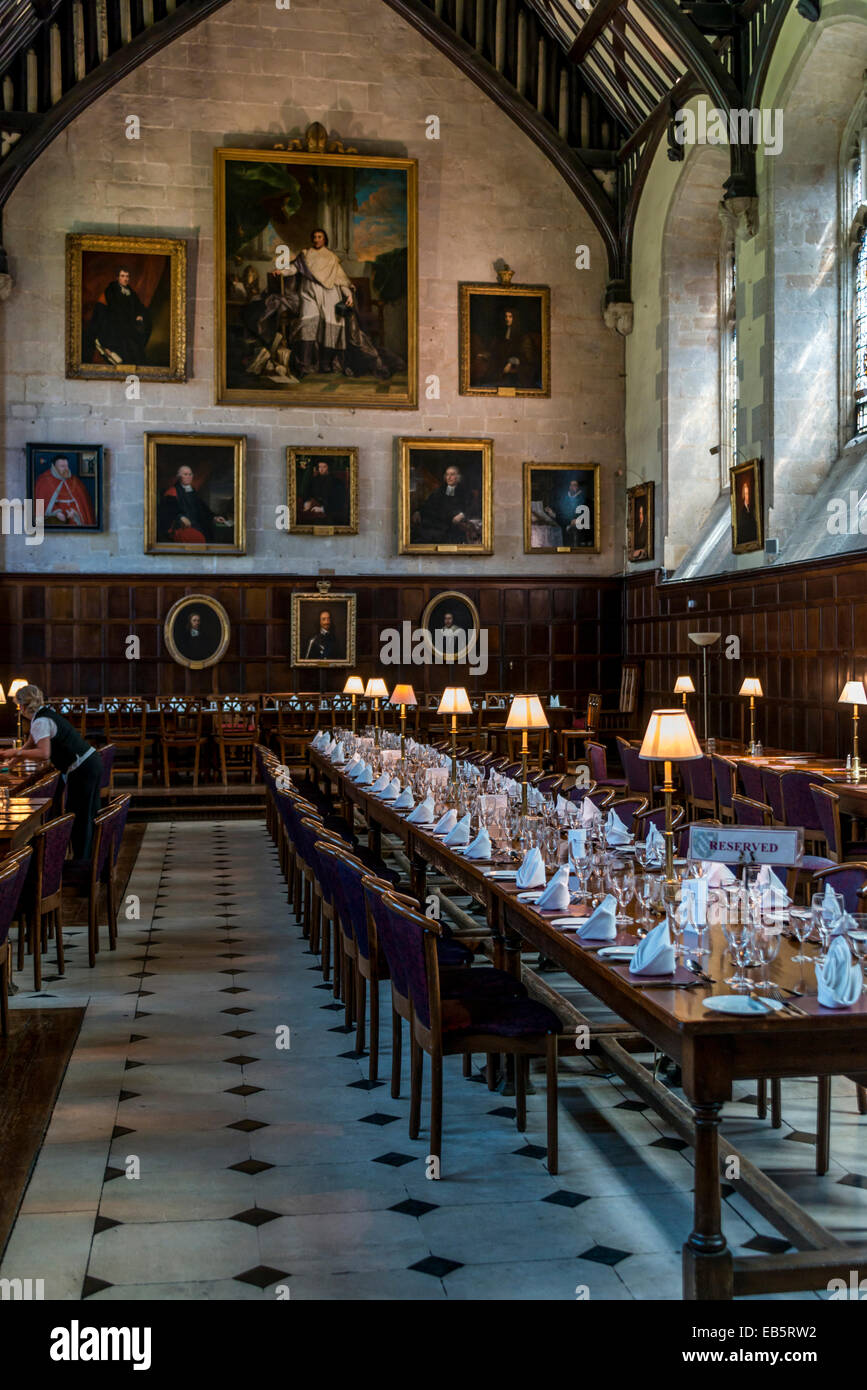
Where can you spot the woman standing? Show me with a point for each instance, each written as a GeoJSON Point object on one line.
{"type": "Point", "coordinates": [53, 739]}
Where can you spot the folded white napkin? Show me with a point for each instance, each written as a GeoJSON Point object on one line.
{"type": "Point", "coordinates": [556, 896]}
{"type": "Point", "coordinates": [655, 954]}
{"type": "Point", "coordinates": [590, 814]}
{"type": "Point", "coordinates": [563, 806]}
{"type": "Point", "coordinates": [355, 770]}
{"type": "Point", "coordinates": [654, 844]}
{"type": "Point", "coordinates": [460, 833]}
{"type": "Point", "coordinates": [329, 746]}
{"type": "Point", "coordinates": [773, 891]}
{"type": "Point", "coordinates": [446, 822]}
{"type": "Point", "coordinates": [840, 979]}
{"type": "Point", "coordinates": [392, 791]}
{"type": "Point", "coordinates": [424, 811]}
{"type": "Point", "coordinates": [381, 782]}
{"type": "Point", "coordinates": [365, 776]}
{"type": "Point", "coordinates": [317, 741]}
{"type": "Point", "coordinates": [577, 843]}
{"type": "Point", "coordinates": [830, 902]}
{"type": "Point", "coordinates": [338, 756]}
{"type": "Point", "coordinates": [554, 702]}
{"type": "Point", "coordinates": [717, 875]}
{"type": "Point", "coordinates": [615, 831]}
{"type": "Point", "coordinates": [600, 925]}
{"type": "Point", "coordinates": [481, 846]}
{"type": "Point", "coordinates": [532, 872]}
{"type": "Point", "coordinates": [405, 801]}
{"type": "Point", "coordinates": [353, 762]}
{"type": "Point", "coordinates": [692, 910]}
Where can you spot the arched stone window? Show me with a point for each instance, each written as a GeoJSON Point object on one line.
{"type": "Point", "coordinates": [728, 351]}
{"type": "Point", "coordinates": [853, 276]}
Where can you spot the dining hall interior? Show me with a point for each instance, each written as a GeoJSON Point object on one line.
{"type": "Point", "coordinates": [433, 640]}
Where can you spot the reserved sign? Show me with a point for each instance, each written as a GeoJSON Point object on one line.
{"type": "Point", "coordinates": [746, 844]}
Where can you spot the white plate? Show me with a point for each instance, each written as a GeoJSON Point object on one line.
{"type": "Point", "coordinates": [531, 897]}
{"type": "Point", "coordinates": [617, 952]}
{"type": "Point", "coordinates": [501, 873]}
{"type": "Point", "coordinates": [573, 922]}
{"type": "Point", "coordinates": [742, 1004]}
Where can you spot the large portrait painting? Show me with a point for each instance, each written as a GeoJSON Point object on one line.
{"type": "Point", "coordinates": [323, 491]}
{"type": "Point", "coordinates": [444, 496]}
{"type": "Point", "coordinates": [561, 508]}
{"type": "Point", "coordinates": [67, 480]}
{"type": "Point", "coordinates": [196, 631]}
{"type": "Point", "coordinates": [505, 334]}
{"type": "Point", "coordinates": [194, 494]}
{"type": "Point", "coordinates": [323, 629]}
{"type": "Point", "coordinates": [126, 306]}
{"type": "Point", "coordinates": [640, 523]}
{"type": "Point", "coordinates": [450, 623]}
{"type": "Point", "coordinates": [316, 277]}
{"type": "Point", "coordinates": [748, 518]}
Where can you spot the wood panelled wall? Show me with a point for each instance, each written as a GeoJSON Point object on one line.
{"type": "Point", "coordinates": [802, 631]}
{"type": "Point", "coordinates": [67, 634]}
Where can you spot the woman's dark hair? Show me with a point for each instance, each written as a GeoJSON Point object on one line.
{"type": "Point", "coordinates": [322, 230]}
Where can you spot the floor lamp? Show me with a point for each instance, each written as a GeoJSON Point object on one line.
{"type": "Point", "coordinates": [704, 640]}
{"type": "Point", "coordinates": [525, 712]}
{"type": "Point", "coordinates": [354, 687]}
{"type": "Point", "coordinates": [455, 701]}
{"type": "Point", "coordinates": [376, 690]}
{"type": "Point", "coordinates": [854, 694]}
{"type": "Point", "coordinates": [668, 738]}
{"type": "Point", "coordinates": [403, 695]}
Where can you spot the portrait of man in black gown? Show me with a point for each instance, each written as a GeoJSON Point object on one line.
{"type": "Point", "coordinates": [746, 507]}
{"type": "Point", "coordinates": [194, 493]}
{"type": "Point", "coordinates": [446, 495]}
{"type": "Point", "coordinates": [639, 522]}
{"type": "Point", "coordinates": [323, 629]}
{"type": "Point", "coordinates": [323, 490]}
{"type": "Point", "coordinates": [196, 631]}
{"type": "Point", "coordinates": [504, 338]}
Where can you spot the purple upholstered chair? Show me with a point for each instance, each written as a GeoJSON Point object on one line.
{"type": "Point", "coordinates": [750, 774]}
{"type": "Point", "coordinates": [644, 819]}
{"type": "Point", "coordinates": [725, 776]}
{"type": "Point", "coordinates": [98, 872]}
{"type": "Point", "coordinates": [42, 897]}
{"type": "Point", "coordinates": [637, 771]}
{"type": "Point", "coordinates": [13, 874]}
{"type": "Point", "coordinates": [598, 761]}
{"type": "Point", "coordinates": [827, 803]}
{"type": "Point", "coordinates": [850, 880]}
{"type": "Point", "coordinates": [773, 793]}
{"type": "Point", "coordinates": [749, 812]}
{"type": "Point", "coordinates": [799, 806]}
{"type": "Point", "coordinates": [106, 757]}
{"type": "Point", "coordinates": [699, 783]}
{"type": "Point", "coordinates": [627, 809]}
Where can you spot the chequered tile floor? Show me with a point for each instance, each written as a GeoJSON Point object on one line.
{"type": "Point", "coordinates": [192, 1154]}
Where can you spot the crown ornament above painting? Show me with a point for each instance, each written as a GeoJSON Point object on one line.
{"type": "Point", "coordinates": [315, 141]}
{"type": "Point", "coordinates": [504, 272]}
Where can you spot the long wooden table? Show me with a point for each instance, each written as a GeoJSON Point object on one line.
{"type": "Point", "coordinates": [853, 795]}
{"type": "Point", "coordinates": [19, 819]}
{"type": "Point", "coordinates": [713, 1051]}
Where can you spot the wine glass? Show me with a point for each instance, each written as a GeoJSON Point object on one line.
{"type": "Point", "coordinates": [766, 944]}
{"type": "Point", "coordinates": [621, 882]}
{"type": "Point", "coordinates": [826, 910]}
{"type": "Point", "coordinates": [738, 931]}
{"type": "Point", "coordinates": [856, 935]}
{"type": "Point", "coordinates": [801, 924]}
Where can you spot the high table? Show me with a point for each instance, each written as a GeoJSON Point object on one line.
{"type": "Point", "coordinates": [712, 1050]}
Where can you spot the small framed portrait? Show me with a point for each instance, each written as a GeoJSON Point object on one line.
{"type": "Point", "coordinates": [748, 518]}
{"type": "Point", "coordinates": [445, 496]}
{"type": "Point", "coordinates": [67, 480]}
{"type": "Point", "coordinates": [450, 623]}
{"type": "Point", "coordinates": [194, 494]}
{"type": "Point", "coordinates": [323, 491]}
{"type": "Point", "coordinates": [323, 629]}
{"type": "Point", "coordinates": [126, 307]}
{"type": "Point", "coordinates": [639, 523]}
{"type": "Point", "coordinates": [505, 340]}
{"type": "Point", "coordinates": [561, 508]}
{"type": "Point", "coordinates": [196, 631]}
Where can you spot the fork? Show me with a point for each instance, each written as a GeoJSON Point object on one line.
{"type": "Point", "coordinates": [776, 993]}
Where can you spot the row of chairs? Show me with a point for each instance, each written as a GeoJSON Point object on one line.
{"type": "Point", "coordinates": [452, 1004]}
{"type": "Point", "coordinates": [32, 881]}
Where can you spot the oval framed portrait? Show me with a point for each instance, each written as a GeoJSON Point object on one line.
{"type": "Point", "coordinates": [196, 631]}
{"type": "Point", "coordinates": [450, 623]}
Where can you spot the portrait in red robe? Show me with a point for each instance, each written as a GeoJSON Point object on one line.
{"type": "Point", "coordinates": [65, 498]}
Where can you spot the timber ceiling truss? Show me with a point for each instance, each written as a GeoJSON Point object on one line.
{"type": "Point", "coordinates": [594, 83]}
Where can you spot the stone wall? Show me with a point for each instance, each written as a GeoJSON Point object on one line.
{"type": "Point", "coordinates": [248, 76]}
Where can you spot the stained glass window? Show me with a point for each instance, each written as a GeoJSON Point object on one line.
{"type": "Point", "coordinates": [729, 365]}
{"type": "Point", "coordinates": [859, 334]}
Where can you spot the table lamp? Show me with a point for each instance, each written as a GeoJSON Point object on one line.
{"type": "Point", "coordinates": [704, 640]}
{"type": "Point", "coordinates": [376, 690]}
{"type": "Point", "coordinates": [17, 685]}
{"type": "Point", "coordinates": [854, 694]}
{"type": "Point", "coordinates": [684, 686]}
{"type": "Point", "coordinates": [669, 737]}
{"type": "Point", "coordinates": [354, 687]}
{"type": "Point", "coordinates": [454, 701]}
{"type": "Point", "coordinates": [403, 695]}
{"type": "Point", "coordinates": [525, 712]}
{"type": "Point", "coordinates": [752, 686]}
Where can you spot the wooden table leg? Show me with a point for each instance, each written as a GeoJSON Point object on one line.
{"type": "Point", "coordinates": [418, 878]}
{"type": "Point", "coordinates": [707, 1260]}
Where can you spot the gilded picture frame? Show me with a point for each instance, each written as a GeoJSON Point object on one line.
{"type": "Point", "coordinates": [430, 522]}
{"type": "Point", "coordinates": [504, 340]}
{"type": "Point", "coordinates": [213, 631]}
{"type": "Point", "coordinates": [435, 625]}
{"type": "Point", "coordinates": [109, 279]}
{"type": "Point", "coordinates": [562, 511]}
{"type": "Point", "coordinates": [308, 641]}
{"type": "Point", "coordinates": [318, 504]}
{"type": "Point", "coordinates": [68, 480]}
{"type": "Point", "coordinates": [640, 523]}
{"type": "Point", "coordinates": [200, 474]}
{"type": "Point", "coordinates": [747, 507]}
{"type": "Point", "coordinates": [269, 204]}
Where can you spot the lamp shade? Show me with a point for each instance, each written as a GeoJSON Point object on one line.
{"type": "Point", "coordinates": [16, 686]}
{"type": "Point", "coordinates": [751, 686]}
{"type": "Point", "coordinates": [670, 737]}
{"type": "Point", "coordinates": [526, 712]}
{"type": "Point", "coordinates": [684, 686]}
{"type": "Point", "coordinates": [454, 701]}
{"type": "Point", "coordinates": [2, 696]}
{"type": "Point", "coordinates": [704, 639]}
{"type": "Point", "coordinates": [354, 686]}
{"type": "Point", "coordinates": [853, 693]}
{"type": "Point", "coordinates": [376, 689]}
{"type": "Point", "coordinates": [403, 695]}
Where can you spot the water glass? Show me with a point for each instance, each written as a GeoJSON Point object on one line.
{"type": "Point", "coordinates": [801, 924]}
{"type": "Point", "coordinates": [738, 931]}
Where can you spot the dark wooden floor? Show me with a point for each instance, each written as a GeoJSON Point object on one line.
{"type": "Point", "coordinates": [33, 1060]}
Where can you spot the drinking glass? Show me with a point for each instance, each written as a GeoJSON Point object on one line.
{"type": "Point", "coordinates": [766, 946]}
{"type": "Point", "coordinates": [801, 924]}
{"type": "Point", "coordinates": [857, 936]}
{"type": "Point", "coordinates": [621, 882]}
{"type": "Point", "coordinates": [738, 931]}
{"type": "Point", "coordinates": [648, 895]}
{"type": "Point", "coordinates": [824, 918]}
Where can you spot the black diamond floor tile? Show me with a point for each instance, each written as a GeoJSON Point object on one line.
{"type": "Point", "coordinates": [354, 1055]}
{"type": "Point", "coordinates": [394, 1160]}
{"type": "Point", "coordinates": [236, 1011]}
{"type": "Point", "coordinates": [111, 1173]}
{"type": "Point", "coordinates": [129, 1095]}
{"type": "Point", "coordinates": [92, 1285]}
{"type": "Point", "coordinates": [678, 1145]}
{"type": "Point", "coordinates": [531, 1151]}
{"type": "Point", "coordinates": [365, 1085]}
{"type": "Point", "coordinates": [255, 1216]}
{"type": "Point", "coordinates": [378, 1118]}
{"type": "Point", "coordinates": [119, 1131]}
{"type": "Point", "coordinates": [240, 1033]}
{"type": "Point", "coordinates": [343, 1028]}
{"type": "Point", "coordinates": [104, 1223]}
{"type": "Point", "coordinates": [261, 1276]}
{"type": "Point", "coordinates": [769, 1245]}
{"type": "Point", "coordinates": [630, 1105]}
{"type": "Point", "coordinates": [247, 1126]}
{"type": "Point", "coordinates": [854, 1180]}
{"type": "Point", "coordinates": [564, 1197]}
{"type": "Point", "coordinates": [251, 1166]}
{"type": "Point", "coordinates": [505, 1112]}
{"type": "Point", "coordinates": [801, 1138]}
{"type": "Point", "coordinates": [436, 1266]}
{"type": "Point", "coordinates": [243, 1090]}
{"type": "Point", "coordinates": [604, 1254]}
{"type": "Point", "coordinates": [242, 1060]}
{"type": "Point", "coordinates": [234, 989]}
{"type": "Point", "coordinates": [412, 1207]}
